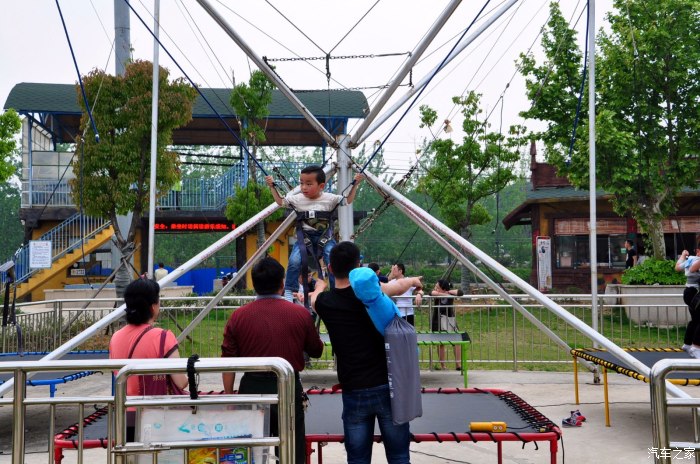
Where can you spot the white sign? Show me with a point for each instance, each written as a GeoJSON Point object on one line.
{"type": "Point", "coordinates": [544, 263]}
{"type": "Point", "coordinates": [40, 254]}
{"type": "Point", "coordinates": [210, 422]}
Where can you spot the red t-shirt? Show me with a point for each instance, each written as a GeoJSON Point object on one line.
{"type": "Point", "coordinates": [148, 347]}
{"type": "Point", "coordinates": [272, 326]}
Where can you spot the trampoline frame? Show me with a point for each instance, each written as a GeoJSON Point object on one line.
{"type": "Point", "coordinates": [551, 435]}
{"type": "Point", "coordinates": [53, 383]}
{"type": "Point", "coordinates": [584, 353]}
{"type": "Point", "coordinates": [68, 438]}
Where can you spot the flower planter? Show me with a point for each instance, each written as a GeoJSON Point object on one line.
{"type": "Point", "coordinates": [655, 311]}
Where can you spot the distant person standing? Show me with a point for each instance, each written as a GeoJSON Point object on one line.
{"type": "Point", "coordinates": [160, 272]}
{"type": "Point", "coordinates": [405, 301]}
{"type": "Point", "coordinates": [631, 254]}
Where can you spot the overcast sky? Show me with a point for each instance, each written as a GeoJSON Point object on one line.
{"type": "Point", "coordinates": [35, 48]}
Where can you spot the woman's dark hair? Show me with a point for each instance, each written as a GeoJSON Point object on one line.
{"type": "Point", "coordinates": [444, 284]}
{"type": "Point", "coordinates": [140, 295]}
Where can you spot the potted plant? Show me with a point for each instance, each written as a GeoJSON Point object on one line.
{"type": "Point", "coordinates": [652, 277]}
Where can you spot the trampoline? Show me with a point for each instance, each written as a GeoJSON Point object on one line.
{"type": "Point", "coordinates": [649, 356]}
{"type": "Point", "coordinates": [52, 379]}
{"type": "Point", "coordinates": [446, 417]}
{"type": "Point", "coordinates": [447, 413]}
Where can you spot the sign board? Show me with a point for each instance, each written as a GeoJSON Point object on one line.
{"type": "Point", "coordinates": [40, 254]}
{"type": "Point", "coordinates": [209, 422]}
{"type": "Point", "coordinates": [544, 263]}
{"type": "Point", "coordinates": [77, 272]}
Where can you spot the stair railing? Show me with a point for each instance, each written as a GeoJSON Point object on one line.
{"type": "Point", "coordinates": [65, 237]}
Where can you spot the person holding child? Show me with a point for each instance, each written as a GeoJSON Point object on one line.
{"type": "Point", "coordinates": [312, 206]}
{"type": "Point", "coordinates": [362, 369]}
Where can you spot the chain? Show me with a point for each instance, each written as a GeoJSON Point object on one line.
{"type": "Point", "coordinates": [340, 57]}
{"type": "Point", "coordinates": [350, 88]}
{"type": "Point", "coordinates": [279, 174]}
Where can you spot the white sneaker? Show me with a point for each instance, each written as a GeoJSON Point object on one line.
{"type": "Point", "coordinates": [686, 348]}
{"type": "Point", "coordinates": [694, 352]}
{"type": "Point", "coordinates": [288, 295]}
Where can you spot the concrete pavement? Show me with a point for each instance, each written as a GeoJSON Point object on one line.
{"type": "Point", "coordinates": [628, 440]}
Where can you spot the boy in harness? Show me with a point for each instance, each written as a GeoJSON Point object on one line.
{"type": "Point", "coordinates": [315, 210]}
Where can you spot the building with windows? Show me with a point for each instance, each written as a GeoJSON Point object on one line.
{"type": "Point", "coordinates": [559, 214]}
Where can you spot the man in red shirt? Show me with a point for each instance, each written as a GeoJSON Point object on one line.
{"type": "Point", "coordinates": [272, 326]}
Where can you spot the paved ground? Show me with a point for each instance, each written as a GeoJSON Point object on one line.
{"type": "Point", "coordinates": [628, 440]}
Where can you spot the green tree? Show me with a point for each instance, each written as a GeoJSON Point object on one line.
{"type": "Point", "coordinates": [13, 232]}
{"type": "Point", "coordinates": [460, 176]}
{"type": "Point", "coordinates": [10, 124]}
{"type": "Point", "coordinates": [647, 125]}
{"type": "Point", "coordinates": [250, 102]}
{"type": "Point", "coordinates": [114, 171]}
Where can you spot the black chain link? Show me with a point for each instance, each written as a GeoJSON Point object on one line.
{"type": "Point", "coordinates": [339, 57]}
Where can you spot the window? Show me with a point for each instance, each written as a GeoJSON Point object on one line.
{"type": "Point", "coordinates": [573, 251]}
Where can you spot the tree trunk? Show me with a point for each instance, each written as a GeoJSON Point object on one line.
{"type": "Point", "coordinates": [653, 226]}
{"type": "Point", "coordinates": [464, 281]}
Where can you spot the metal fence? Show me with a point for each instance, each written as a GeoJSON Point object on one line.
{"type": "Point", "coordinates": [501, 337]}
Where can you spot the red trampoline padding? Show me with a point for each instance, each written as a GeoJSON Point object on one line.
{"type": "Point", "coordinates": [447, 414]}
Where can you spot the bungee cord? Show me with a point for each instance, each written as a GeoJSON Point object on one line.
{"type": "Point", "coordinates": [77, 70]}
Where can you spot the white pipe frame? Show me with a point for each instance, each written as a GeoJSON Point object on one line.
{"type": "Point", "coordinates": [359, 138]}
{"type": "Point", "coordinates": [286, 224]}
{"type": "Point", "coordinates": [409, 207]}
{"type": "Point", "coordinates": [264, 67]}
{"type": "Point", "coordinates": [119, 312]}
{"type": "Point", "coordinates": [415, 56]}
{"type": "Point", "coordinates": [154, 141]}
{"type": "Point", "coordinates": [488, 281]}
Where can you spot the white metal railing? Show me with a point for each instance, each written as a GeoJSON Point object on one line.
{"type": "Point", "coordinates": [117, 403]}
{"type": "Point", "coordinates": [665, 450]}
{"type": "Point", "coordinates": [500, 337]}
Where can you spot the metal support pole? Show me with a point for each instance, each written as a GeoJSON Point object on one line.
{"type": "Point", "coordinates": [415, 56]}
{"type": "Point", "coordinates": [286, 91]}
{"type": "Point", "coordinates": [345, 213]}
{"type": "Point", "coordinates": [592, 166]}
{"type": "Point", "coordinates": [154, 141]}
{"type": "Point", "coordinates": [18, 417]}
{"type": "Point", "coordinates": [415, 89]}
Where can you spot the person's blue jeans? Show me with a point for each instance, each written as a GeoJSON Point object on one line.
{"type": "Point", "coordinates": [360, 408]}
{"type": "Point", "coordinates": [291, 283]}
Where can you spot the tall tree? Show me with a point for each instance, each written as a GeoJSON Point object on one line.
{"type": "Point", "coordinates": [114, 171]}
{"type": "Point", "coordinates": [460, 176]}
{"type": "Point", "coordinates": [648, 89]}
{"type": "Point", "coordinates": [10, 124]}
{"type": "Point", "coordinates": [251, 103]}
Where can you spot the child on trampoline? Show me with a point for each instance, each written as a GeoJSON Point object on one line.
{"type": "Point", "coordinates": [313, 207]}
